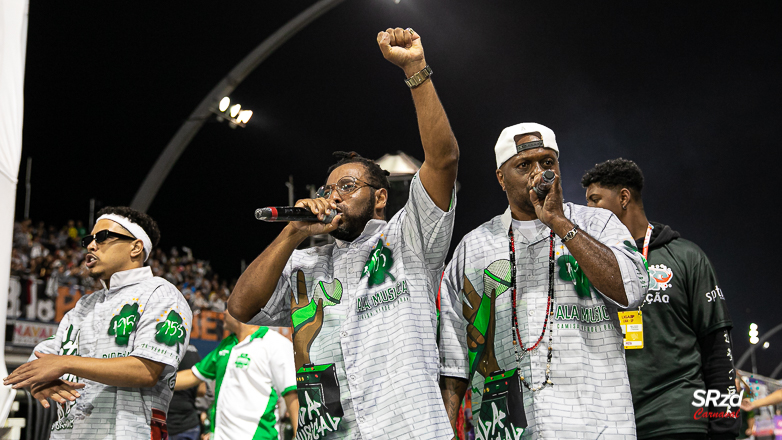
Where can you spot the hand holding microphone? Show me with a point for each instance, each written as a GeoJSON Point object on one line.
{"type": "Point", "coordinates": [310, 216]}
{"type": "Point", "coordinates": [545, 184]}
{"type": "Point", "coordinates": [546, 197]}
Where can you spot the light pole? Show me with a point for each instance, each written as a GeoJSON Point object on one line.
{"type": "Point", "coordinates": [176, 146]}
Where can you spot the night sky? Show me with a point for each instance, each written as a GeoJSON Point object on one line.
{"type": "Point", "coordinates": [691, 92]}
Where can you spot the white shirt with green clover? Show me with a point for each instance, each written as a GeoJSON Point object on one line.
{"type": "Point", "coordinates": [365, 310]}
{"type": "Point", "coordinates": [142, 316]}
{"type": "Point", "coordinates": [251, 376]}
{"type": "Point", "coordinates": [590, 396]}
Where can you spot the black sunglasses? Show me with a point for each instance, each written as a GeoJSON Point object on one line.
{"type": "Point", "coordinates": [102, 236]}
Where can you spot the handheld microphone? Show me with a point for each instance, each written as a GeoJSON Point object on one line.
{"type": "Point", "coordinates": [291, 214]}
{"type": "Point", "coordinates": [543, 187]}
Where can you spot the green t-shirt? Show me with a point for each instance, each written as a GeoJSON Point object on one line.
{"type": "Point", "coordinates": [250, 376]}
{"type": "Point", "coordinates": [683, 303]}
{"type": "Point", "coordinates": [213, 366]}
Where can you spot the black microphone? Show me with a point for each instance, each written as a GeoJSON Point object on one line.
{"type": "Point", "coordinates": [543, 187]}
{"type": "Point", "coordinates": [291, 214]}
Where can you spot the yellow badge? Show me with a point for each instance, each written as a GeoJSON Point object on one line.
{"type": "Point", "coordinates": [633, 329]}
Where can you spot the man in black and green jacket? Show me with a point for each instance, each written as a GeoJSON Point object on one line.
{"type": "Point", "coordinates": [686, 327]}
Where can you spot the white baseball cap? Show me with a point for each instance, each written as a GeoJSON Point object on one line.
{"type": "Point", "coordinates": [506, 145]}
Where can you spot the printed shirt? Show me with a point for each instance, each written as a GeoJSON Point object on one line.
{"type": "Point", "coordinates": [684, 303]}
{"type": "Point", "coordinates": [590, 396]}
{"type": "Point", "coordinates": [364, 311]}
{"type": "Point", "coordinates": [140, 315]}
{"type": "Point", "coordinates": [250, 377]}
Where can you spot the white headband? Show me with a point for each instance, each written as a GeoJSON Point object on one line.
{"type": "Point", "coordinates": [133, 228]}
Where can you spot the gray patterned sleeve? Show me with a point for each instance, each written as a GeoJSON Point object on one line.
{"type": "Point", "coordinates": [426, 228]}
{"type": "Point", "coordinates": [612, 233]}
{"type": "Point", "coordinates": [277, 312]}
{"type": "Point", "coordinates": [453, 337]}
{"type": "Point", "coordinates": [163, 331]}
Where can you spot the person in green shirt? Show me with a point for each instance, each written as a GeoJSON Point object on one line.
{"type": "Point", "coordinates": [686, 327]}
{"type": "Point", "coordinates": [251, 368]}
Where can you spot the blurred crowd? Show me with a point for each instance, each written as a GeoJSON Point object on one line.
{"type": "Point", "coordinates": [54, 255]}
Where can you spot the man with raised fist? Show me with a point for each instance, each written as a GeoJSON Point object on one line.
{"type": "Point", "coordinates": [363, 309]}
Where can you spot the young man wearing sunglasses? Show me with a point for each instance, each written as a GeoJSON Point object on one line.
{"type": "Point", "coordinates": [363, 309]}
{"type": "Point", "coordinates": [111, 365]}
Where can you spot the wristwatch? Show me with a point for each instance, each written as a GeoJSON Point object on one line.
{"type": "Point", "coordinates": [419, 77]}
{"type": "Point", "coordinates": [569, 236]}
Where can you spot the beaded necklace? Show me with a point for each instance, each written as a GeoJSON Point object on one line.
{"type": "Point", "coordinates": [517, 341]}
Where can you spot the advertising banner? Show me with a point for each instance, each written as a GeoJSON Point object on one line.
{"type": "Point", "coordinates": [29, 334]}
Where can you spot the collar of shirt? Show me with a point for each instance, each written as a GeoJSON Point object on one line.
{"type": "Point", "coordinates": [260, 333]}
{"type": "Point", "coordinates": [372, 226]}
{"type": "Point", "coordinates": [128, 277]}
{"type": "Point", "coordinates": [506, 218]}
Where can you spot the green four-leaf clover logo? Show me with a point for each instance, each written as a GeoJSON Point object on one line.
{"type": "Point", "coordinates": [378, 265]}
{"type": "Point", "coordinates": [122, 325]}
{"type": "Point", "coordinates": [171, 331]}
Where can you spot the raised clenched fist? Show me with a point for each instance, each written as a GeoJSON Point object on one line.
{"type": "Point", "coordinates": [403, 48]}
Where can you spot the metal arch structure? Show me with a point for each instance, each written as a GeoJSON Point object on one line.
{"type": "Point", "coordinates": [176, 146]}
{"type": "Point", "coordinates": [776, 371]}
{"type": "Point", "coordinates": [752, 347]}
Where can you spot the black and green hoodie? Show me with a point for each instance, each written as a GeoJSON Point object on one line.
{"type": "Point", "coordinates": [686, 341]}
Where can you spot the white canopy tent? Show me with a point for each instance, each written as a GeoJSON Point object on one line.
{"type": "Point", "coordinates": [13, 43]}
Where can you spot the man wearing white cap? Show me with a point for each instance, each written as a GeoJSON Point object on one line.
{"type": "Point", "coordinates": [529, 303]}
{"type": "Point", "coordinates": [112, 364]}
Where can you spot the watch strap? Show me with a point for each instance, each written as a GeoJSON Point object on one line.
{"type": "Point", "coordinates": [569, 236]}
{"type": "Point", "coordinates": [419, 77]}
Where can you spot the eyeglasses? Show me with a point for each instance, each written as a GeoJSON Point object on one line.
{"type": "Point", "coordinates": [102, 236]}
{"type": "Point", "coordinates": [344, 186]}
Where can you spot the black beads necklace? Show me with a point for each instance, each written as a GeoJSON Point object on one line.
{"type": "Point", "coordinates": [517, 341]}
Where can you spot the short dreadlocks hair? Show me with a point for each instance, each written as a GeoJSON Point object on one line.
{"type": "Point", "coordinates": [376, 176]}
{"type": "Point", "coordinates": [616, 174]}
{"type": "Point", "coordinates": [147, 224]}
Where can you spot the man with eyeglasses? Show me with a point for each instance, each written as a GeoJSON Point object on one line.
{"type": "Point", "coordinates": [112, 364]}
{"type": "Point", "coordinates": [363, 309]}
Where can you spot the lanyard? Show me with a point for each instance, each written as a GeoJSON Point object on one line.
{"type": "Point", "coordinates": [645, 252]}
{"type": "Point", "coordinates": [646, 241]}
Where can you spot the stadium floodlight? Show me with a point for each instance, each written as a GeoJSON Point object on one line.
{"type": "Point", "coordinates": [766, 344]}
{"type": "Point", "coordinates": [244, 116]}
{"type": "Point", "coordinates": [235, 110]}
{"type": "Point", "coordinates": [224, 103]}
{"type": "Point", "coordinates": [753, 334]}
{"type": "Point", "coordinates": [225, 110]}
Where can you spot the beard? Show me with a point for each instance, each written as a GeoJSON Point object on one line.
{"type": "Point", "coordinates": [353, 224]}
{"type": "Point", "coordinates": [522, 200]}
